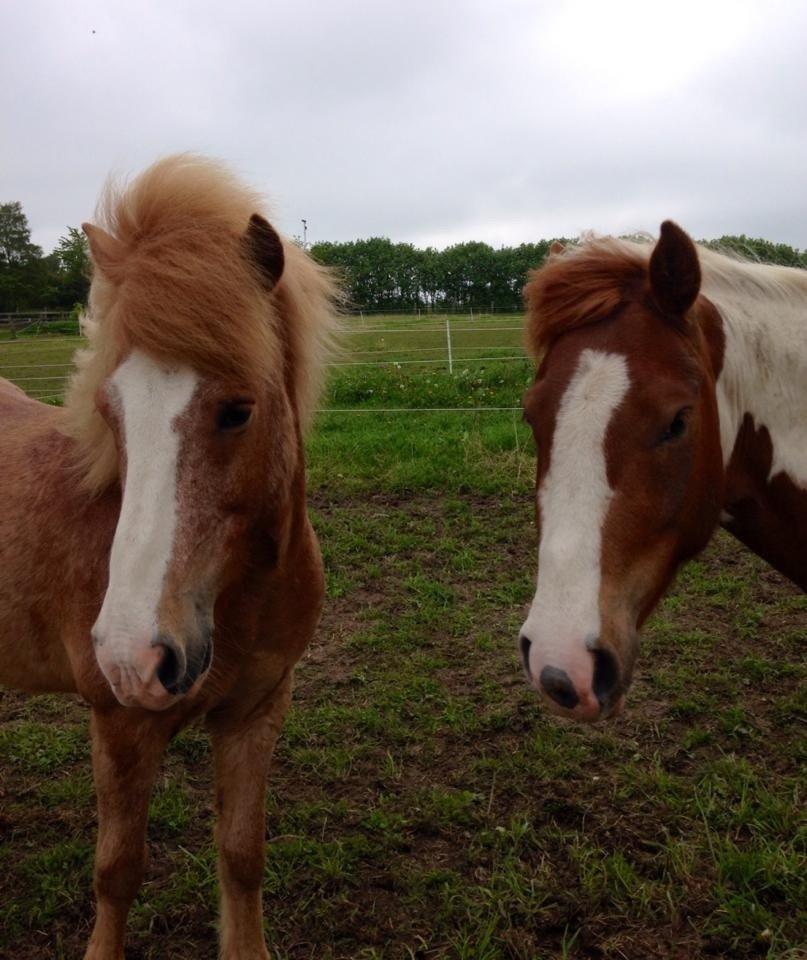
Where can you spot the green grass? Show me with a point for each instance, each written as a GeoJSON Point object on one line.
{"type": "Point", "coordinates": [421, 804]}
{"type": "Point", "coordinates": [37, 748]}
{"type": "Point", "coordinates": [40, 365]}
{"type": "Point", "coordinates": [489, 451]}
{"type": "Point", "coordinates": [380, 345]}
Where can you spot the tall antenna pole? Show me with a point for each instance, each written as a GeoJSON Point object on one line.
{"type": "Point", "coordinates": [305, 234]}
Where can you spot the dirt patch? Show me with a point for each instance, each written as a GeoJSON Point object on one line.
{"type": "Point", "coordinates": [422, 806]}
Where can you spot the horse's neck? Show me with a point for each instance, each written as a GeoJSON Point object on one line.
{"type": "Point", "coordinates": [764, 375]}
{"type": "Point", "coordinates": [762, 403]}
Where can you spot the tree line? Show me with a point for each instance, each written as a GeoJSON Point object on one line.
{"type": "Point", "coordinates": [377, 273]}
{"type": "Point", "coordinates": [31, 280]}
{"type": "Point", "coordinates": [381, 275]}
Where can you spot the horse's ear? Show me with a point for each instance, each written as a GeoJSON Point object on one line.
{"type": "Point", "coordinates": [556, 248]}
{"type": "Point", "coordinates": [107, 252]}
{"type": "Point", "coordinates": [675, 273]}
{"type": "Point", "coordinates": [265, 248]}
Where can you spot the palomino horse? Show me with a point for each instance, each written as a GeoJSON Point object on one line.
{"type": "Point", "coordinates": [671, 397]}
{"type": "Point", "coordinates": [156, 552]}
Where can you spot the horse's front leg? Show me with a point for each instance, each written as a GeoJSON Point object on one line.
{"type": "Point", "coordinates": [126, 754]}
{"type": "Point", "coordinates": [242, 752]}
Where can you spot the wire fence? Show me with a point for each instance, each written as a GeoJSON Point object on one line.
{"type": "Point", "coordinates": [42, 364]}
{"type": "Point", "coordinates": [33, 321]}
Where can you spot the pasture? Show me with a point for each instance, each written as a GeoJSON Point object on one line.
{"type": "Point", "coordinates": [421, 804]}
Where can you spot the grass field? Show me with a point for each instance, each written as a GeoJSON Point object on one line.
{"type": "Point", "coordinates": [40, 364]}
{"type": "Point", "coordinates": [422, 804]}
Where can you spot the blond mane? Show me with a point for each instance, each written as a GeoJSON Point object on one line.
{"type": "Point", "coordinates": [586, 282]}
{"type": "Point", "coordinates": [178, 285]}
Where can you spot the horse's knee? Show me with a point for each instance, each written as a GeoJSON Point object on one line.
{"type": "Point", "coordinates": [242, 865]}
{"type": "Point", "coordinates": [118, 876]}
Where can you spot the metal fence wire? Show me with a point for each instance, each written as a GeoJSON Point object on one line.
{"type": "Point", "coordinates": [32, 361]}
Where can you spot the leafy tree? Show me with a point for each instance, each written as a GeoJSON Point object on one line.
{"type": "Point", "coordinates": [763, 251]}
{"type": "Point", "coordinates": [377, 273]}
{"type": "Point", "coordinates": [73, 256]}
{"type": "Point", "coordinates": [20, 276]}
{"type": "Point", "coordinates": [430, 272]}
{"type": "Point", "coordinates": [15, 236]}
{"type": "Point", "coordinates": [381, 275]}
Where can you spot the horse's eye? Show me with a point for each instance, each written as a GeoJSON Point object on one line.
{"type": "Point", "coordinates": [677, 427]}
{"type": "Point", "coordinates": [234, 415]}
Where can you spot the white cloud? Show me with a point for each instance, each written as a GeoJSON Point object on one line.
{"type": "Point", "coordinates": [428, 121]}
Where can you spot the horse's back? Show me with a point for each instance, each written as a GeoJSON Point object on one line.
{"type": "Point", "coordinates": [24, 425]}
{"type": "Point", "coordinates": [10, 391]}
{"type": "Point", "coordinates": [33, 473]}
{"type": "Point", "coordinates": [16, 407]}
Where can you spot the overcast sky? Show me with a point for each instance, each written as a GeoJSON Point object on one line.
{"type": "Point", "coordinates": [427, 120]}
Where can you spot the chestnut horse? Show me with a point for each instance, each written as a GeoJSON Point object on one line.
{"type": "Point", "coordinates": [156, 552]}
{"type": "Point", "coordinates": [671, 397]}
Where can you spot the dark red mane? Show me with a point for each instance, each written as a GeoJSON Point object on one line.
{"type": "Point", "coordinates": [582, 285]}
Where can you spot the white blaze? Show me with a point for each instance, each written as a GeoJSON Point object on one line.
{"type": "Point", "coordinates": [150, 396]}
{"type": "Point", "coordinates": [573, 502]}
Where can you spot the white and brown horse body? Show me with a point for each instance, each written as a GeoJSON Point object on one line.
{"type": "Point", "coordinates": [156, 551]}
{"type": "Point", "coordinates": [671, 396]}
{"type": "Point", "coordinates": [762, 404]}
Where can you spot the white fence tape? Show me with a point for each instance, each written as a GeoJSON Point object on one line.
{"type": "Point", "coordinates": [452, 354]}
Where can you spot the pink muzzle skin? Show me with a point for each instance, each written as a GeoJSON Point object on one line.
{"type": "Point", "coordinates": [131, 671]}
{"type": "Point", "coordinates": [582, 684]}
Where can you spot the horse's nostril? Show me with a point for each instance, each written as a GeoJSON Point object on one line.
{"type": "Point", "coordinates": [525, 643]}
{"type": "Point", "coordinates": [208, 657]}
{"type": "Point", "coordinates": [557, 685]}
{"type": "Point", "coordinates": [171, 667]}
{"type": "Point", "coordinates": [606, 676]}
{"type": "Point", "coordinates": [198, 662]}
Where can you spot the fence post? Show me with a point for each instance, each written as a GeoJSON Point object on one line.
{"type": "Point", "coordinates": [448, 344]}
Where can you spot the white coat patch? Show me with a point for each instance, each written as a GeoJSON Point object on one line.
{"type": "Point", "coordinates": [150, 396]}
{"type": "Point", "coordinates": [765, 364]}
{"type": "Point", "coordinates": [573, 502]}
